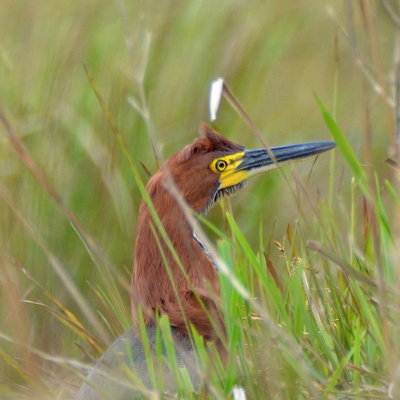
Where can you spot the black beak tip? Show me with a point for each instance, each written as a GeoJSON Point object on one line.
{"type": "Point", "coordinates": [329, 146]}
{"type": "Point", "coordinates": [319, 147]}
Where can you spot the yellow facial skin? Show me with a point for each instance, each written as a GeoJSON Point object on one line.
{"type": "Point", "coordinates": [236, 168]}
{"type": "Point", "coordinates": [228, 168]}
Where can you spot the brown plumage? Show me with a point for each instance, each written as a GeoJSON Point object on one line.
{"type": "Point", "coordinates": [204, 171]}
{"type": "Point", "coordinates": [152, 288]}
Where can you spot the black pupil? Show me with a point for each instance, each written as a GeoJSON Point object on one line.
{"type": "Point", "coordinates": [221, 165]}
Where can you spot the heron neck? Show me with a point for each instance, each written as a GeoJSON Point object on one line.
{"type": "Point", "coordinates": [162, 282]}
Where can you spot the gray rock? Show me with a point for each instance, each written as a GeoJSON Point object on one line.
{"type": "Point", "coordinates": [122, 373]}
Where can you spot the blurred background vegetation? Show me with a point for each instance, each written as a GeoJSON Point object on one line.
{"type": "Point", "coordinates": [274, 55]}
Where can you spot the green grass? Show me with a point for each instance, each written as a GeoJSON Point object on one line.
{"type": "Point", "coordinates": [310, 290]}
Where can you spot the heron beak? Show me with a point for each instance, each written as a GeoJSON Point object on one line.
{"type": "Point", "coordinates": [244, 165]}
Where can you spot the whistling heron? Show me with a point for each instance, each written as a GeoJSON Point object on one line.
{"type": "Point", "coordinates": [186, 289]}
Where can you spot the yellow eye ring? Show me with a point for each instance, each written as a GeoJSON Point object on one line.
{"type": "Point", "coordinates": [220, 165]}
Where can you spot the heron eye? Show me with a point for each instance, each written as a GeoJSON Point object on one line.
{"type": "Point", "coordinates": [221, 165]}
